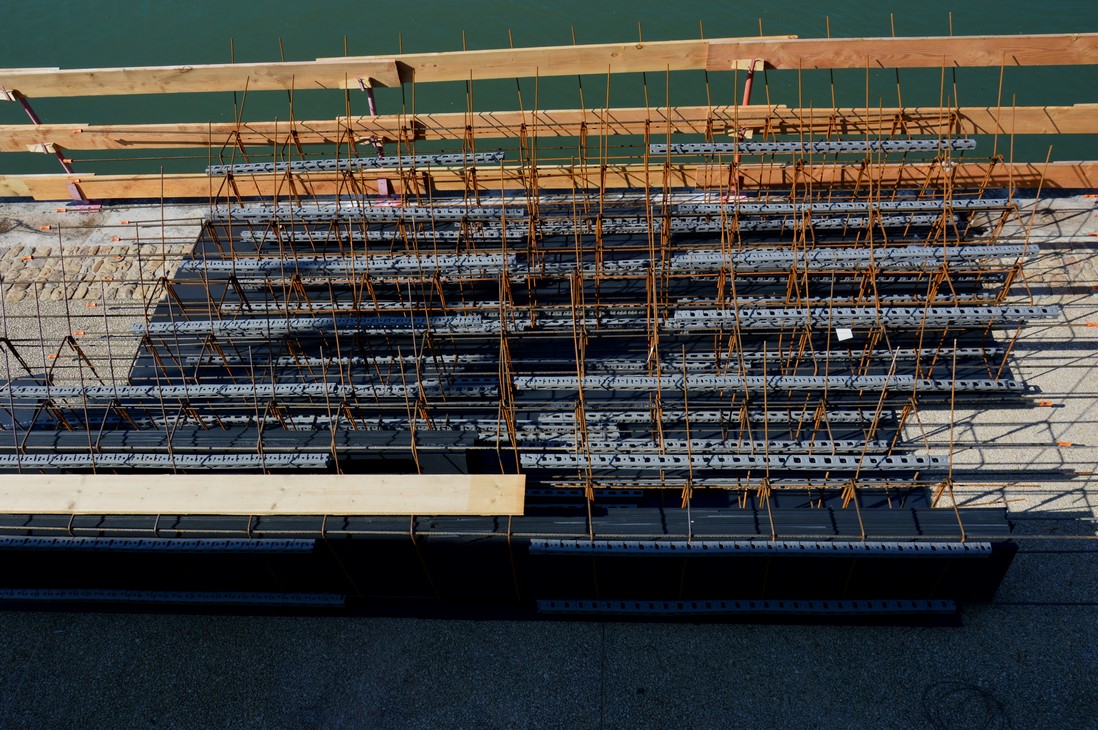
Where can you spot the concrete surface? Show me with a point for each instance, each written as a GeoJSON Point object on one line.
{"type": "Point", "coordinates": [89, 274]}
{"type": "Point", "coordinates": [1027, 660]}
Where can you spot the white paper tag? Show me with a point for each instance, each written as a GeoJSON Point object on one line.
{"type": "Point", "coordinates": [844, 333]}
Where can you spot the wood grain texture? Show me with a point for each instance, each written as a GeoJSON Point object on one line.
{"type": "Point", "coordinates": [1060, 175]}
{"type": "Point", "coordinates": [202, 78]}
{"type": "Point", "coordinates": [923, 52]}
{"type": "Point", "coordinates": [594, 58]}
{"type": "Point", "coordinates": [1076, 119]}
{"type": "Point", "coordinates": [262, 494]}
{"type": "Point", "coordinates": [780, 52]}
{"type": "Point", "coordinates": [343, 72]}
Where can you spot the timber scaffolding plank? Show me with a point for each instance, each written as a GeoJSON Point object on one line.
{"type": "Point", "coordinates": [262, 494]}
{"type": "Point", "coordinates": [783, 52]}
{"type": "Point", "coordinates": [925, 52]}
{"type": "Point", "coordinates": [1064, 175]}
{"type": "Point", "coordinates": [1076, 119]}
{"type": "Point", "coordinates": [334, 74]}
{"type": "Point", "coordinates": [340, 73]}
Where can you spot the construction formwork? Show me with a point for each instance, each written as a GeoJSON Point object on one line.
{"type": "Point", "coordinates": [707, 359]}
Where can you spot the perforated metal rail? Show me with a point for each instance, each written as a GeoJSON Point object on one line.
{"type": "Point", "coordinates": [163, 460]}
{"type": "Point", "coordinates": [868, 548]}
{"type": "Point", "coordinates": [666, 608]}
{"type": "Point", "coordinates": [358, 163]}
{"type": "Point", "coordinates": [157, 545]}
{"type": "Point", "coordinates": [796, 462]}
{"type": "Point", "coordinates": [682, 319]}
{"type": "Point", "coordinates": [477, 386]}
{"type": "Point", "coordinates": [192, 598]}
{"type": "Point", "coordinates": [747, 207]}
{"type": "Point", "coordinates": [814, 147]}
{"type": "Point", "coordinates": [286, 213]}
{"type": "Point", "coordinates": [917, 258]}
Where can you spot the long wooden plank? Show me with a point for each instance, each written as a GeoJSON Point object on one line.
{"type": "Point", "coordinates": [1076, 119]}
{"type": "Point", "coordinates": [924, 52]}
{"type": "Point", "coordinates": [262, 494]}
{"type": "Point", "coordinates": [341, 74]}
{"type": "Point", "coordinates": [379, 71]}
{"type": "Point", "coordinates": [1062, 175]}
{"type": "Point", "coordinates": [17, 186]}
{"type": "Point", "coordinates": [785, 52]}
{"type": "Point", "coordinates": [1058, 175]}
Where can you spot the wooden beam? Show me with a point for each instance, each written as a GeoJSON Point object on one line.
{"type": "Point", "coordinates": [925, 52]}
{"type": "Point", "coordinates": [261, 494]}
{"type": "Point", "coordinates": [782, 52]}
{"type": "Point", "coordinates": [1058, 175]}
{"type": "Point", "coordinates": [339, 73]}
{"type": "Point", "coordinates": [962, 121]}
{"type": "Point", "coordinates": [18, 186]}
{"type": "Point", "coordinates": [507, 63]}
{"type": "Point", "coordinates": [199, 186]}
{"type": "Point", "coordinates": [1062, 175]}
{"type": "Point", "coordinates": [761, 120]}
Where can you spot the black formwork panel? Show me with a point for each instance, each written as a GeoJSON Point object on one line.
{"type": "Point", "coordinates": [488, 570]}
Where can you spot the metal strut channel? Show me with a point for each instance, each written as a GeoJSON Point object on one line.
{"type": "Point", "coordinates": [359, 163]}
{"type": "Point", "coordinates": [158, 545]}
{"type": "Point", "coordinates": [447, 232]}
{"type": "Point", "coordinates": [567, 420]}
{"type": "Point", "coordinates": [818, 147]}
{"type": "Point", "coordinates": [552, 424]}
{"type": "Point", "coordinates": [798, 462]}
{"type": "Point", "coordinates": [374, 360]}
{"type": "Point", "coordinates": [703, 224]}
{"type": "Point", "coordinates": [751, 357]}
{"type": "Point", "coordinates": [485, 387]}
{"type": "Point", "coordinates": [682, 320]}
{"type": "Point", "coordinates": [757, 607]}
{"type": "Point", "coordinates": [160, 461]}
{"type": "Point", "coordinates": [690, 319]}
{"type": "Point", "coordinates": [707, 320]}
{"type": "Point", "coordinates": [612, 484]}
{"type": "Point", "coordinates": [920, 258]}
{"type": "Point", "coordinates": [466, 264]}
{"type": "Point", "coordinates": [247, 392]}
{"type": "Point", "coordinates": [842, 206]}
{"type": "Point", "coordinates": [876, 548]}
{"type": "Point", "coordinates": [898, 383]}
{"type": "Point", "coordinates": [915, 220]}
{"type": "Point", "coordinates": [269, 327]}
{"type": "Point", "coordinates": [710, 445]}
{"type": "Point", "coordinates": [209, 598]}
{"type": "Point", "coordinates": [333, 212]}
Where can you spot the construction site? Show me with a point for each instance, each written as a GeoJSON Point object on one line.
{"type": "Point", "coordinates": [736, 360]}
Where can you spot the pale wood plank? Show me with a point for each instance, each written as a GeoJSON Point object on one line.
{"type": "Point", "coordinates": [1075, 119]}
{"type": "Point", "coordinates": [262, 494]}
{"type": "Point", "coordinates": [1060, 175]}
{"type": "Point", "coordinates": [201, 78]}
{"type": "Point", "coordinates": [379, 71]}
{"type": "Point", "coordinates": [16, 186]}
{"type": "Point", "coordinates": [921, 52]}
{"type": "Point", "coordinates": [716, 55]}
{"type": "Point", "coordinates": [1063, 175]}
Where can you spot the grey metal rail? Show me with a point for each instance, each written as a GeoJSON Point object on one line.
{"type": "Point", "coordinates": [358, 163]}
{"type": "Point", "coordinates": [814, 147]}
